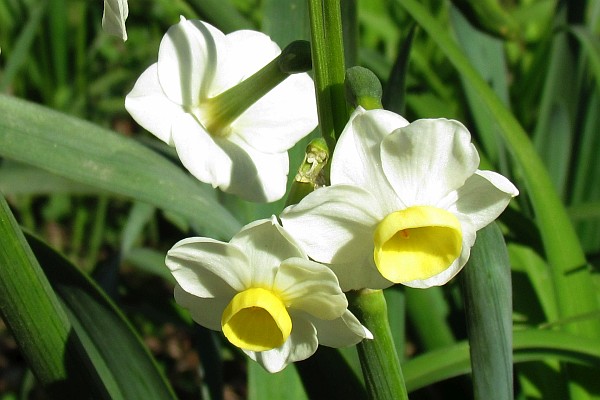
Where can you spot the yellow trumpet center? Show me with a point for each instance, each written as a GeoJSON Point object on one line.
{"type": "Point", "coordinates": [256, 320]}
{"type": "Point", "coordinates": [416, 243]}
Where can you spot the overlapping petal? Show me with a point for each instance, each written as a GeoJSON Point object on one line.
{"type": "Point", "coordinates": [204, 311]}
{"type": "Point", "coordinates": [427, 159]}
{"type": "Point", "coordinates": [244, 53]}
{"type": "Point", "coordinates": [341, 332]}
{"type": "Point", "coordinates": [301, 344]}
{"type": "Point", "coordinates": [150, 108]}
{"type": "Point", "coordinates": [334, 224]}
{"type": "Point", "coordinates": [360, 273]}
{"type": "Point", "coordinates": [254, 175]}
{"type": "Point", "coordinates": [382, 166]}
{"type": "Point", "coordinates": [206, 267]}
{"type": "Point", "coordinates": [482, 198]}
{"type": "Point", "coordinates": [241, 149]}
{"type": "Point", "coordinates": [188, 59]}
{"type": "Point", "coordinates": [357, 158]}
{"type": "Point", "coordinates": [290, 105]}
{"type": "Point", "coordinates": [264, 266]}
{"type": "Point", "coordinates": [200, 153]}
{"type": "Point", "coordinates": [311, 287]}
{"type": "Point", "coordinates": [265, 248]}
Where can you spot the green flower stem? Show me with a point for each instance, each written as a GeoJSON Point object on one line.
{"type": "Point", "coordinates": [227, 106]}
{"type": "Point", "coordinates": [329, 70]}
{"type": "Point", "coordinates": [378, 357]}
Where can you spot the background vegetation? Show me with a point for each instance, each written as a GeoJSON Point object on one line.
{"type": "Point", "coordinates": [524, 77]}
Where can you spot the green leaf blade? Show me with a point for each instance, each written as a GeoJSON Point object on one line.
{"type": "Point", "coordinates": [118, 357]}
{"type": "Point", "coordinates": [92, 155]}
{"type": "Point", "coordinates": [486, 284]}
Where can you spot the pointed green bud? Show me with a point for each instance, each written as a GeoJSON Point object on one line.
{"type": "Point", "coordinates": [363, 88]}
{"type": "Point", "coordinates": [295, 58]}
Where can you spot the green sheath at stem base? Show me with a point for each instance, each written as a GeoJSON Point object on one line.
{"type": "Point", "coordinates": [378, 357]}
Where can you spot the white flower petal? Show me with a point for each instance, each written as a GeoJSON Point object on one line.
{"type": "Point", "coordinates": [341, 332]}
{"type": "Point", "coordinates": [357, 160]}
{"type": "Point", "coordinates": [282, 117]}
{"type": "Point", "coordinates": [151, 108]}
{"type": "Point", "coordinates": [265, 246]}
{"type": "Point", "coordinates": [204, 311]}
{"type": "Point", "coordinates": [301, 344]}
{"type": "Point", "coordinates": [361, 272]}
{"type": "Point", "coordinates": [245, 53]}
{"type": "Point", "coordinates": [200, 154]}
{"type": "Point", "coordinates": [427, 159]}
{"type": "Point", "coordinates": [114, 16]}
{"type": "Point", "coordinates": [482, 198]}
{"type": "Point", "coordinates": [334, 224]}
{"type": "Point", "coordinates": [255, 176]}
{"type": "Point", "coordinates": [187, 61]}
{"type": "Point", "coordinates": [310, 287]}
{"type": "Point", "coordinates": [206, 267]}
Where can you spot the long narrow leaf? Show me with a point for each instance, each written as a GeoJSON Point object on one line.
{"type": "Point", "coordinates": [487, 292]}
{"type": "Point", "coordinates": [528, 345]}
{"type": "Point", "coordinates": [283, 385]}
{"type": "Point", "coordinates": [38, 322]}
{"type": "Point", "coordinates": [98, 157]}
{"type": "Point", "coordinates": [116, 352]}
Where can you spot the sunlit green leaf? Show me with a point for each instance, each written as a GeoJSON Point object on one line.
{"type": "Point", "coordinates": [86, 153]}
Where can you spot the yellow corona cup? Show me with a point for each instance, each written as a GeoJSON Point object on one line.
{"type": "Point", "coordinates": [257, 320]}
{"type": "Point", "coordinates": [416, 243]}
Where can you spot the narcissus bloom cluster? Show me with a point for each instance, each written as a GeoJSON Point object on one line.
{"type": "Point", "coordinates": [404, 205]}
{"type": "Point", "coordinates": [186, 100]}
{"type": "Point", "coordinates": [264, 293]}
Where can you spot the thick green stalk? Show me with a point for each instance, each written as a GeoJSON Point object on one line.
{"type": "Point", "coordinates": [378, 357]}
{"type": "Point", "coordinates": [573, 284]}
{"type": "Point", "coordinates": [328, 65]}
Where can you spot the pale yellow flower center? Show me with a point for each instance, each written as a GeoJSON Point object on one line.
{"type": "Point", "coordinates": [416, 243]}
{"type": "Point", "coordinates": [256, 320]}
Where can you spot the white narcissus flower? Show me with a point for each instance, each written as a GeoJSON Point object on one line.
{"type": "Point", "coordinates": [175, 100]}
{"type": "Point", "coordinates": [405, 203]}
{"type": "Point", "coordinates": [114, 16]}
{"type": "Point", "coordinates": [265, 295]}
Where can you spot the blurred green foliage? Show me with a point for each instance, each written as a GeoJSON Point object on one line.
{"type": "Point", "coordinates": [540, 58]}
